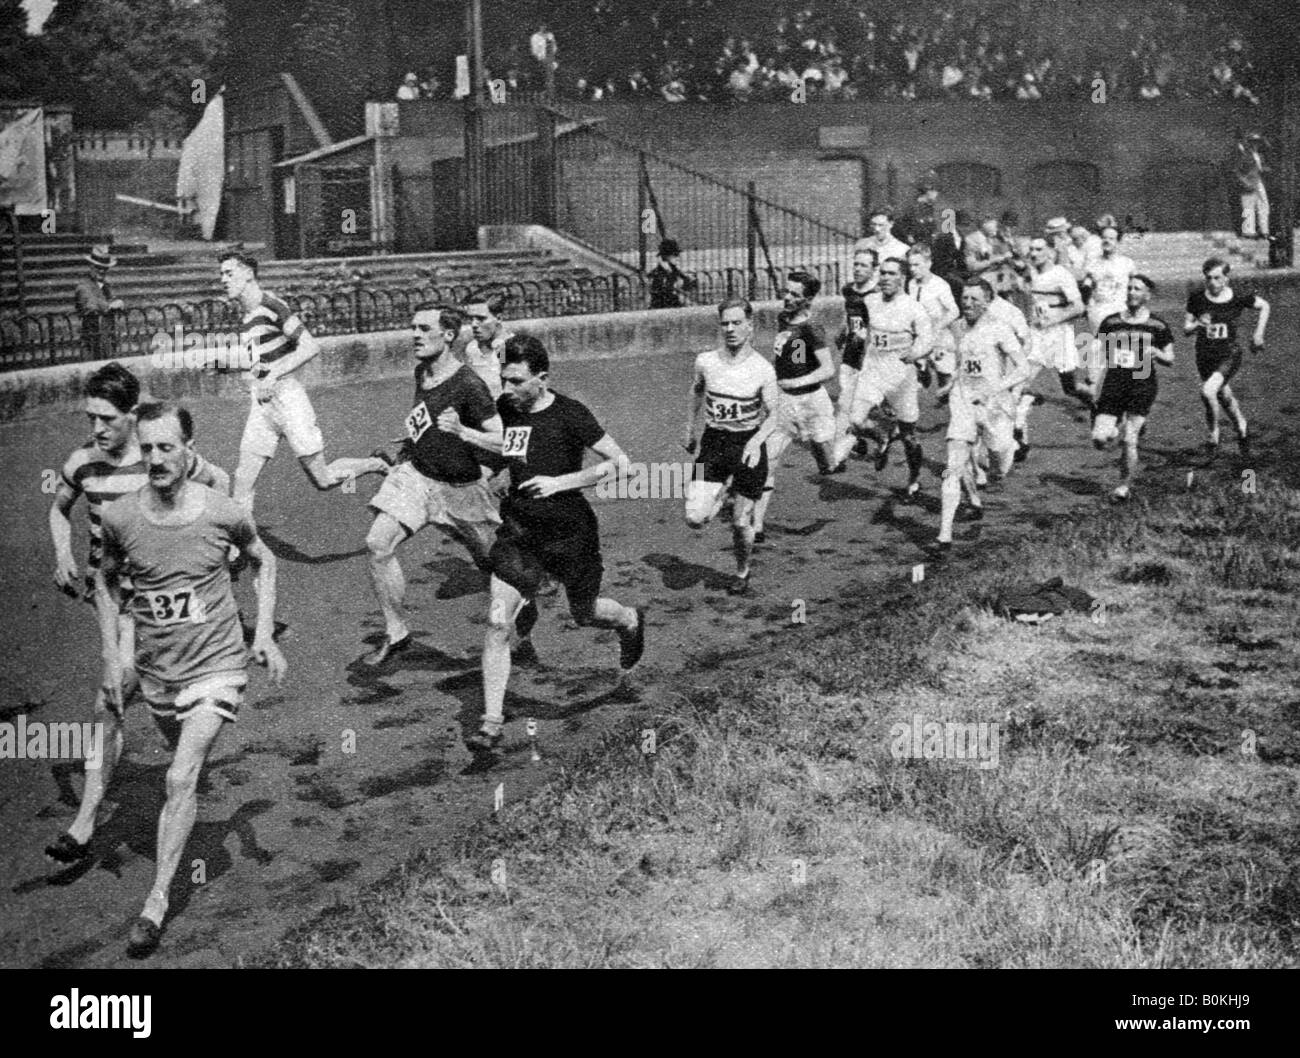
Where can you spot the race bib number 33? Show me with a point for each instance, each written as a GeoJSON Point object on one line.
{"type": "Point", "coordinates": [514, 444]}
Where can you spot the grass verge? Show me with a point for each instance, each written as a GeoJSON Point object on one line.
{"type": "Point", "coordinates": [1142, 812]}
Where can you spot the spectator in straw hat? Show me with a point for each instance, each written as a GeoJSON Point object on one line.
{"type": "Point", "coordinates": [95, 301]}
{"type": "Point", "coordinates": [1057, 233]}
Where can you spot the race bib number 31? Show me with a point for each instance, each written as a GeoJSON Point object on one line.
{"type": "Point", "coordinates": [514, 445]}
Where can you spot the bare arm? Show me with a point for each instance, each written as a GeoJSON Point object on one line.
{"type": "Point", "coordinates": [949, 313]}
{"type": "Point", "coordinates": [1073, 307]}
{"type": "Point", "coordinates": [1019, 366]}
{"type": "Point", "coordinates": [768, 427]}
{"type": "Point", "coordinates": [489, 438]}
{"type": "Point", "coordinates": [694, 403]}
{"type": "Point", "coordinates": [824, 371]}
{"type": "Point", "coordinates": [1262, 322]}
{"type": "Point", "coordinates": [922, 337]}
{"type": "Point", "coordinates": [65, 566]}
{"type": "Point", "coordinates": [1165, 354]}
{"type": "Point", "coordinates": [611, 457]}
{"type": "Point", "coordinates": [265, 652]}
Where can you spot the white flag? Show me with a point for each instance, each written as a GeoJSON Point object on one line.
{"type": "Point", "coordinates": [22, 164]}
{"type": "Point", "coordinates": [203, 166]}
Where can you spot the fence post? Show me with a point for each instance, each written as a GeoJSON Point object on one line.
{"type": "Point", "coordinates": [864, 221]}
{"type": "Point", "coordinates": [751, 238]}
{"type": "Point", "coordinates": [891, 185]}
{"type": "Point", "coordinates": [640, 212]}
{"type": "Point", "coordinates": [544, 174]}
{"type": "Point", "coordinates": [474, 170]}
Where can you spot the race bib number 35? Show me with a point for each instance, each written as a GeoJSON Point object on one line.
{"type": "Point", "coordinates": [175, 607]}
{"type": "Point", "coordinates": [514, 445]}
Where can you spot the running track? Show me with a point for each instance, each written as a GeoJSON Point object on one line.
{"type": "Point", "coordinates": [287, 822]}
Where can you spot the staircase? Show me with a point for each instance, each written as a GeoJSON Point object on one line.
{"type": "Point", "coordinates": [1177, 256]}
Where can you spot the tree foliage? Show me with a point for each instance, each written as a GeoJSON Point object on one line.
{"type": "Point", "coordinates": [119, 63]}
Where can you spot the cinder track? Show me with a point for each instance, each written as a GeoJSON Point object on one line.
{"type": "Point", "coordinates": [288, 823]}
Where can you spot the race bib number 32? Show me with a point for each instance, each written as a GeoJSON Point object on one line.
{"type": "Point", "coordinates": [417, 422]}
{"type": "Point", "coordinates": [514, 444]}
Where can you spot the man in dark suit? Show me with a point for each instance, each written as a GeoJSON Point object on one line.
{"type": "Point", "coordinates": [948, 249]}
{"type": "Point", "coordinates": [921, 222]}
{"type": "Point", "coordinates": [95, 303]}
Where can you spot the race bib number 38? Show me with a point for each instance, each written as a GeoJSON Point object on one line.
{"type": "Point", "coordinates": [514, 444]}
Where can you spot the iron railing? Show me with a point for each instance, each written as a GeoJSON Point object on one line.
{"type": "Point", "coordinates": [47, 339]}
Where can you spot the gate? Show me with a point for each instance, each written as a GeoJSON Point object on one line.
{"type": "Point", "coordinates": [335, 211]}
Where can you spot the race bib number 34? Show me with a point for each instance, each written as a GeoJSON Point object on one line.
{"type": "Point", "coordinates": [514, 444]}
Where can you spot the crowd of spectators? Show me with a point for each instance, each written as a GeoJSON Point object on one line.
{"type": "Point", "coordinates": [882, 51]}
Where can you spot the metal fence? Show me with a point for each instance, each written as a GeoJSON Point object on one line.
{"type": "Point", "coordinates": [60, 338]}
{"type": "Point", "coordinates": [623, 199]}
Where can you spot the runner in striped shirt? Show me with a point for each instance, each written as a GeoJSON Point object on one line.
{"type": "Point", "coordinates": [110, 466]}
{"type": "Point", "coordinates": [106, 467]}
{"type": "Point", "coordinates": [277, 343]}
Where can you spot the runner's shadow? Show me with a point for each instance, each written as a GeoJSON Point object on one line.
{"type": "Point", "coordinates": [800, 530]}
{"type": "Point", "coordinates": [834, 490]}
{"type": "Point", "coordinates": [290, 553]}
{"type": "Point", "coordinates": [678, 574]}
{"type": "Point", "coordinates": [1079, 486]}
{"type": "Point", "coordinates": [460, 577]}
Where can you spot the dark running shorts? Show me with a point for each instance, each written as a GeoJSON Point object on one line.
{"type": "Point", "coordinates": [1122, 394]}
{"type": "Point", "coordinates": [1224, 361]}
{"type": "Point", "coordinates": [524, 555]}
{"type": "Point", "coordinates": [720, 453]}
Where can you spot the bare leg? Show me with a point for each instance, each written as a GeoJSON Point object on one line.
{"type": "Point", "coordinates": [505, 605]}
{"type": "Point", "coordinates": [198, 734]}
{"type": "Point", "coordinates": [319, 472]}
{"type": "Point", "coordinates": [386, 533]}
{"type": "Point", "coordinates": [355, 467]}
{"type": "Point", "coordinates": [742, 534]}
{"type": "Point", "coordinates": [950, 489]}
{"type": "Point", "coordinates": [1210, 400]}
{"type": "Point", "coordinates": [247, 471]}
{"type": "Point", "coordinates": [1228, 400]}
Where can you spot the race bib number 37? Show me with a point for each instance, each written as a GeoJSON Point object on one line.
{"type": "Point", "coordinates": [175, 607]}
{"type": "Point", "coordinates": [514, 444]}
